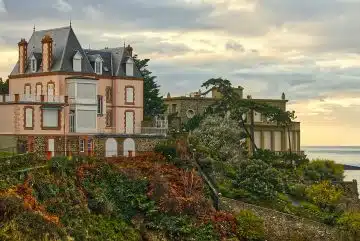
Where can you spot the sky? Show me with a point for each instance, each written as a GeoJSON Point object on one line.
{"type": "Point", "coordinates": [310, 50]}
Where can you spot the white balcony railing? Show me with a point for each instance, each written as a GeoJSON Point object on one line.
{"type": "Point", "coordinates": [150, 131]}
{"type": "Point", "coordinates": [24, 98]}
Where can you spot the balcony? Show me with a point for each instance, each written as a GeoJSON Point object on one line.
{"type": "Point", "coordinates": [23, 98]}
{"type": "Point", "coordinates": [144, 131]}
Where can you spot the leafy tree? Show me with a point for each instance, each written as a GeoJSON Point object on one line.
{"type": "Point", "coordinates": [193, 123]}
{"type": "Point", "coordinates": [320, 170]}
{"type": "Point", "coordinates": [323, 194]}
{"type": "Point", "coordinates": [238, 108]}
{"type": "Point", "coordinates": [153, 102]}
{"type": "Point", "coordinates": [219, 137]}
{"type": "Point", "coordinates": [4, 86]}
{"type": "Point", "coordinates": [258, 178]}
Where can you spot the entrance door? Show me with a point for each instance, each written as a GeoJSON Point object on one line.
{"type": "Point", "coordinates": [129, 147]}
{"type": "Point", "coordinates": [51, 146]}
{"type": "Point", "coordinates": [110, 147]}
{"type": "Point", "coordinates": [129, 125]}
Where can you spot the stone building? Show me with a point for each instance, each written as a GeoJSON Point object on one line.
{"type": "Point", "coordinates": [267, 135]}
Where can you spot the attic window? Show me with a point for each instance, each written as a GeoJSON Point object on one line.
{"type": "Point", "coordinates": [106, 69]}
{"type": "Point", "coordinates": [77, 62]}
{"type": "Point", "coordinates": [98, 66]}
{"type": "Point", "coordinates": [33, 65]}
{"type": "Point", "coordinates": [130, 67]}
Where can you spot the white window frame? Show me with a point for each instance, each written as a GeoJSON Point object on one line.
{"type": "Point", "coordinates": [98, 66]}
{"type": "Point", "coordinates": [33, 64]}
{"type": "Point", "coordinates": [77, 62]}
{"type": "Point", "coordinates": [90, 145]}
{"type": "Point", "coordinates": [29, 122]}
{"type": "Point", "coordinates": [132, 89]}
{"type": "Point", "coordinates": [82, 145]}
{"type": "Point", "coordinates": [129, 67]}
{"type": "Point", "coordinates": [57, 118]}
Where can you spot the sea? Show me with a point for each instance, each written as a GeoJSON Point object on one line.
{"type": "Point", "coordinates": [349, 155]}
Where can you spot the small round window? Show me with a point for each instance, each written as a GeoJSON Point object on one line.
{"type": "Point", "coordinates": [190, 113]}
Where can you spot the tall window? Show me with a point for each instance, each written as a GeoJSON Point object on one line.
{"type": "Point", "coordinates": [98, 66]}
{"type": "Point", "coordinates": [27, 89]}
{"type": "Point", "coordinates": [90, 145]}
{"type": "Point", "coordinates": [33, 65]}
{"type": "Point", "coordinates": [100, 105]}
{"type": "Point", "coordinates": [82, 145]}
{"type": "Point", "coordinates": [38, 89]}
{"type": "Point", "coordinates": [50, 118]}
{"type": "Point", "coordinates": [129, 95]}
{"type": "Point", "coordinates": [77, 62]}
{"type": "Point", "coordinates": [108, 118]}
{"type": "Point", "coordinates": [50, 91]}
{"type": "Point", "coordinates": [108, 91]}
{"type": "Point", "coordinates": [28, 118]}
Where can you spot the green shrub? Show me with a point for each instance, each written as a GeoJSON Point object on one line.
{"type": "Point", "coordinates": [321, 170]}
{"type": "Point", "coordinates": [181, 227]}
{"type": "Point", "coordinates": [249, 226]}
{"type": "Point", "coordinates": [259, 179]}
{"type": "Point", "coordinates": [18, 162]}
{"type": "Point", "coordinates": [350, 223]}
{"type": "Point", "coordinates": [323, 194]}
{"type": "Point", "coordinates": [168, 150]}
{"type": "Point", "coordinates": [297, 190]}
{"type": "Point", "coordinates": [17, 223]}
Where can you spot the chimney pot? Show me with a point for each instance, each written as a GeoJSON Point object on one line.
{"type": "Point", "coordinates": [22, 55]}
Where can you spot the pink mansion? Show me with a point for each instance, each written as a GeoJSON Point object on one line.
{"type": "Point", "coordinates": [65, 99]}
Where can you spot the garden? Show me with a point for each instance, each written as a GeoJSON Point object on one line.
{"type": "Point", "coordinates": [286, 182]}
{"type": "Point", "coordinates": [137, 198]}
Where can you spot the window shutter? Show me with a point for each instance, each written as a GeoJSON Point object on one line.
{"type": "Point", "coordinates": [103, 105]}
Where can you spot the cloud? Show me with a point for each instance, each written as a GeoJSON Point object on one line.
{"type": "Point", "coordinates": [234, 46]}
{"type": "Point", "coordinates": [308, 49]}
{"type": "Point", "coordinates": [2, 7]}
{"type": "Point", "coordinates": [63, 6]}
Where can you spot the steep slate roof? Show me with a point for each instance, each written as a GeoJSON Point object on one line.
{"type": "Point", "coordinates": [65, 46]}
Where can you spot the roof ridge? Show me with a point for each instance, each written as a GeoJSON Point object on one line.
{"type": "Point", "coordinates": [64, 50]}
{"type": "Point", "coordinates": [51, 29]}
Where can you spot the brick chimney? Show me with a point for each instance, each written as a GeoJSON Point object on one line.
{"type": "Point", "coordinates": [47, 42]}
{"type": "Point", "coordinates": [22, 55]}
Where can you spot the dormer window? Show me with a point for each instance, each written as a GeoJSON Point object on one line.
{"type": "Point", "coordinates": [98, 65]}
{"type": "Point", "coordinates": [130, 67]}
{"type": "Point", "coordinates": [77, 62]}
{"type": "Point", "coordinates": [33, 64]}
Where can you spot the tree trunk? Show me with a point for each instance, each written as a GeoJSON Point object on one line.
{"type": "Point", "coordinates": [254, 147]}
{"type": "Point", "coordinates": [251, 133]}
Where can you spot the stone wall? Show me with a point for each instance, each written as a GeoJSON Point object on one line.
{"type": "Point", "coordinates": [281, 226]}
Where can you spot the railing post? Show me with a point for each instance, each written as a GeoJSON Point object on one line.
{"type": "Point", "coordinates": [3, 98]}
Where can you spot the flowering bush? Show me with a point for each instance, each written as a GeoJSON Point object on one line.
{"type": "Point", "coordinates": [218, 137]}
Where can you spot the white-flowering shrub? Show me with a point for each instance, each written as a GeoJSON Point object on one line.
{"type": "Point", "coordinates": [218, 137]}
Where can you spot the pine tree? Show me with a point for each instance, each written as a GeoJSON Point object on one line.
{"type": "Point", "coordinates": [4, 86]}
{"type": "Point", "coordinates": [153, 102]}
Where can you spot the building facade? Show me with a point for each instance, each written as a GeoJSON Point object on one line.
{"type": "Point", "coordinates": [65, 99]}
{"type": "Point", "coordinates": [267, 135]}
